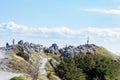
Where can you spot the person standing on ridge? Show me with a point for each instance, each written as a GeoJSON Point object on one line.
{"type": "Point", "coordinates": [13, 41]}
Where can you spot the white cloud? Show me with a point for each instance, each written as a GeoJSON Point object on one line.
{"type": "Point", "coordinates": [12, 26]}
{"type": "Point", "coordinates": [59, 30]}
{"type": "Point", "coordinates": [63, 31]}
{"type": "Point", "coordinates": [107, 11]}
{"type": "Point", "coordinates": [110, 32]}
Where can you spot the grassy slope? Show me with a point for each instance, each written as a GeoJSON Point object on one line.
{"type": "Point", "coordinates": [104, 52]}
{"type": "Point", "coordinates": [20, 65]}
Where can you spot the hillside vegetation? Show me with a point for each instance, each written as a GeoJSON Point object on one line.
{"type": "Point", "coordinates": [104, 52]}
{"type": "Point", "coordinates": [99, 65]}
{"type": "Point", "coordinates": [84, 62]}
{"type": "Point", "coordinates": [19, 64]}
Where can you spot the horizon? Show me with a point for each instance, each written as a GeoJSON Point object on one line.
{"type": "Point", "coordinates": [63, 22]}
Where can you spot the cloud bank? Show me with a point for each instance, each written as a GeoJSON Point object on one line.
{"type": "Point", "coordinates": [63, 31]}
{"type": "Point", "coordinates": [106, 11]}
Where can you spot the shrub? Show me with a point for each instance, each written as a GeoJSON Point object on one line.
{"type": "Point", "coordinates": [18, 78]}
{"type": "Point", "coordinates": [50, 74]}
{"type": "Point", "coordinates": [23, 55]}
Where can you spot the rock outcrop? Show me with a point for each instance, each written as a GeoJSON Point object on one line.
{"type": "Point", "coordinates": [28, 48]}
{"type": "Point", "coordinates": [53, 49]}
{"type": "Point", "coordinates": [71, 51]}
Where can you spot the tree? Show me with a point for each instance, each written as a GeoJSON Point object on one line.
{"type": "Point", "coordinates": [86, 63]}
{"type": "Point", "coordinates": [104, 69]}
{"type": "Point", "coordinates": [96, 67]}
{"type": "Point", "coordinates": [67, 70]}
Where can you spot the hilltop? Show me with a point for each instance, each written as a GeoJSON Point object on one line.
{"type": "Point", "coordinates": [36, 61]}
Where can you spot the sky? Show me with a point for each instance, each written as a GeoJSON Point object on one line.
{"type": "Point", "coordinates": [65, 22]}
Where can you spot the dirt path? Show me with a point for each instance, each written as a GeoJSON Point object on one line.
{"type": "Point", "coordinates": [42, 65]}
{"type": "Point", "coordinates": [5, 75]}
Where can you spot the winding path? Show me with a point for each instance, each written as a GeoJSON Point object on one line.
{"type": "Point", "coordinates": [42, 65]}
{"type": "Point", "coordinates": [5, 75]}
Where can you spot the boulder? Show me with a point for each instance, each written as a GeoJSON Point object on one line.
{"type": "Point", "coordinates": [32, 45]}
{"type": "Point", "coordinates": [61, 51]}
{"type": "Point", "coordinates": [27, 44]}
{"type": "Point", "coordinates": [21, 42]}
{"type": "Point", "coordinates": [46, 50]}
{"type": "Point", "coordinates": [53, 49]}
{"type": "Point", "coordinates": [52, 62]}
{"type": "Point", "coordinates": [36, 47]}
{"type": "Point", "coordinates": [54, 46]}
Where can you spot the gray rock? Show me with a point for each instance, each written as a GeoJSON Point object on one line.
{"type": "Point", "coordinates": [21, 42]}
{"type": "Point", "coordinates": [32, 45]}
{"type": "Point", "coordinates": [52, 62]}
{"type": "Point", "coordinates": [53, 49]}
{"type": "Point", "coordinates": [61, 50]}
{"type": "Point", "coordinates": [54, 46]}
{"type": "Point", "coordinates": [36, 47]}
{"type": "Point", "coordinates": [27, 50]}
{"type": "Point", "coordinates": [27, 44]}
{"type": "Point", "coordinates": [73, 51]}
{"type": "Point", "coordinates": [25, 47]}
{"type": "Point", "coordinates": [46, 50]}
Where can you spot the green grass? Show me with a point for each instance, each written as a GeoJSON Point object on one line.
{"type": "Point", "coordinates": [104, 52]}
{"type": "Point", "coordinates": [49, 55]}
{"type": "Point", "coordinates": [56, 57]}
{"type": "Point", "coordinates": [23, 55]}
{"type": "Point", "coordinates": [49, 68]}
{"type": "Point", "coordinates": [18, 78]}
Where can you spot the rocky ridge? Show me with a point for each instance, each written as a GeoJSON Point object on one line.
{"type": "Point", "coordinates": [71, 51]}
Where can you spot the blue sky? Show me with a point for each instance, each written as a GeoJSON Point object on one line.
{"type": "Point", "coordinates": [61, 21]}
